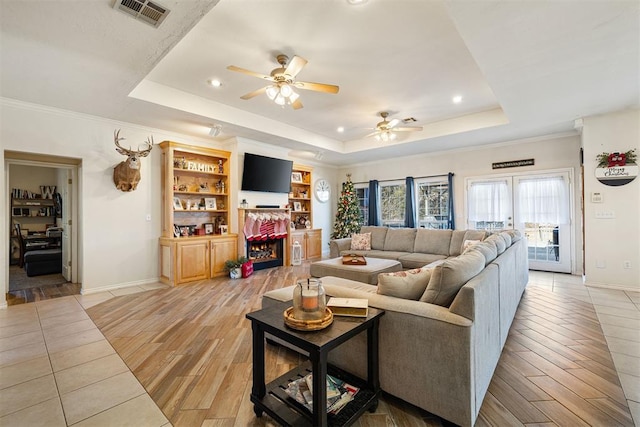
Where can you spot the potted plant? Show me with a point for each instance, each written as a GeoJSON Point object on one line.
{"type": "Point", "coordinates": [233, 266]}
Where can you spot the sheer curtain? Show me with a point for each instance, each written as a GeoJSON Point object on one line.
{"type": "Point", "coordinates": [543, 200]}
{"type": "Point", "coordinates": [489, 201]}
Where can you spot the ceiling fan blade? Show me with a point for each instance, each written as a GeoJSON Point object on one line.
{"type": "Point", "coordinates": [295, 66]}
{"type": "Point", "coordinates": [249, 72]}
{"type": "Point", "coordinates": [318, 87]}
{"type": "Point", "coordinates": [408, 129]}
{"type": "Point", "coordinates": [372, 134]}
{"type": "Point", "coordinates": [254, 93]}
{"type": "Point", "coordinates": [392, 123]}
{"type": "Point", "coordinates": [296, 104]}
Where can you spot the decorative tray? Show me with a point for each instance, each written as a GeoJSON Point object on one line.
{"type": "Point", "coordinates": [354, 260]}
{"type": "Point", "coordinates": [307, 325]}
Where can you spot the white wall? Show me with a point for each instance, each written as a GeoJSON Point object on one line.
{"type": "Point", "coordinates": [117, 246]}
{"type": "Point", "coordinates": [549, 154]}
{"type": "Point", "coordinates": [611, 242]}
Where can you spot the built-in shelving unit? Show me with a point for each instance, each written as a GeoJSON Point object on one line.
{"type": "Point", "coordinates": [195, 240]}
{"type": "Point", "coordinates": [302, 230]}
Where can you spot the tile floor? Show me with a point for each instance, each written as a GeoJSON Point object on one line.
{"type": "Point", "coordinates": [57, 369]}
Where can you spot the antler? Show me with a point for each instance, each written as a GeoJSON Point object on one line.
{"type": "Point", "coordinates": [129, 151]}
{"type": "Point", "coordinates": [149, 144]}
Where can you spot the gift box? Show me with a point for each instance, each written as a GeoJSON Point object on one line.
{"type": "Point", "coordinates": [247, 269]}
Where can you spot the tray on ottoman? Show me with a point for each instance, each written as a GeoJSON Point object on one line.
{"type": "Point", "coordinates": [361, 273]}
{"type": "Point", "coordinates": [354, 260]}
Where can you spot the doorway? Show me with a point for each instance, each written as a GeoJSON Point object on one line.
{"type": "Point", "coordinates": [45, 187]}
{"type": "Point", "coordinates": [537, 204]}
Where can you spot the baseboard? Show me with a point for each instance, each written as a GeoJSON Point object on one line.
{"type": "Point", "coordinates": [612, 287]}
{"type": "Point", "coordinates": [108, 288]}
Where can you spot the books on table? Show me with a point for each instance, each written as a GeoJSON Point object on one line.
{"type": "Point", "coordinates": [357, 307]}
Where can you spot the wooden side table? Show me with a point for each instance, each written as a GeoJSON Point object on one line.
{"type": "Point", "coordinates": [272, 399]}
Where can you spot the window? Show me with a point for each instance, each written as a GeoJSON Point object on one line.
{"type": "Point", "coordinates": [362, 192]}
{"type": "Point", "coordinates": [433, 203]}
{"type": "Point", "coordinates": [392, 200]}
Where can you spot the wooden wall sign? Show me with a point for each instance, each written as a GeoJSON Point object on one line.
{"type": "Point", "coordinates": [513, 164]}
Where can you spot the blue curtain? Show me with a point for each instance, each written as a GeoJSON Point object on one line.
{"type": "Point", "coordinates": [451, 222]}
{"type": "Point", "coordinates": [410, 205]}
{"type": "Point", "coordinates": [375, 215]}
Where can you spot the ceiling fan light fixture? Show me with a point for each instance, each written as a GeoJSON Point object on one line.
{"type": "Point", "coordinates": [285, 90]}
{"type": "Point", "coordinates": [293, 97]}
{"type": "Point", "coordinates": [280, 100]}
{"type": "Point", "coordinates": [272, 92]}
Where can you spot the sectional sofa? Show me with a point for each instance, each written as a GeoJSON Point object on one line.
{"type": "Point", "coordinates": [413, 247]}
{"type": "Point", "coordinates": [438, 355]}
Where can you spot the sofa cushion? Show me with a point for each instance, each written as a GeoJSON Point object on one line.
{"type": "Point", "coordinates": [417, 260]}
{"type": "Point", "coordinates": [408, 284]}
{"type": "Point", "coordinates": [459, 236]}
{"type": "Point", "coordinates": [378, 235]}
{"type": "Point", "coordinates": [515, 235]}
{"type": "Point", "coordinates": [361, 242]}
{"type": "Point", "coordinates": [488, 249]}
{"type": "Point", "coordinates": [448, 277]}
{"type": "Point", "coordinates": [432, 241]}
{"type": "Point", "coordinates": [499, 242]}
{"type": "Point", "coordinates": [387, 254]}
{"type": "Point", "coordinates": [507, 238]}
{"type": "Point", "coordinates": [400, 239]}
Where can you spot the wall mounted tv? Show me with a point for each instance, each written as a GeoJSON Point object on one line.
{"type": "Point", "coordinates": [262, 173]}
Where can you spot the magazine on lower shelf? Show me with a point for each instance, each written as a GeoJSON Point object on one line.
{"type": "Point", "coordinates": [339, 393]}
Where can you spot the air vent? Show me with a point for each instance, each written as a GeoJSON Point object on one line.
{"type": "Point", "coordinates": [144, 10]}
{"type": "Point", "coordinates": [409, 120]}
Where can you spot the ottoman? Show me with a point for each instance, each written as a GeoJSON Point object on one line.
{"type": "Point", "coordinates": [45, 261]}
{"type": "Point", "coordinates": [361, 273]}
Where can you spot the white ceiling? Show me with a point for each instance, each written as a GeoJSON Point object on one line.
{"type": "Point", "coordinates": [524, 68]}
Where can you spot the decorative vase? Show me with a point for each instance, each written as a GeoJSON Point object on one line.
{"type": "Point", "coordinates": [235, 273]}
{"type": "Point", "coordinates": [309, 302]}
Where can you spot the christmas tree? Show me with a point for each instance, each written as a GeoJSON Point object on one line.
{"type": "Point", "coordinates": [348, 215]}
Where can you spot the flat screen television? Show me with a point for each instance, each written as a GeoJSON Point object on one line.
{"type": "Point", "coordinates": [262, 173]}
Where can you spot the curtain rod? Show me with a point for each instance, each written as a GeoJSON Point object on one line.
{"type": "Point", "coordinates": [402, 179]}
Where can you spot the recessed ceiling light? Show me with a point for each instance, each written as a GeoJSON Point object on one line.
{"type": "Point", "coordinates": [355, 2]}
{"type": "Point", "coordinates": [457, 99]}
{"type": "Point", "coordinates": [215, 82]}
{"type": "Point", "coordinates": [340, 129]}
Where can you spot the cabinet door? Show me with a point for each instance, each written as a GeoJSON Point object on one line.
{"type": "Point", "coordinates": [222, 250]}
{"type": "Point", "coordinates": [193, 261]}
{"type": "Point", "coordinates": [314, 244]}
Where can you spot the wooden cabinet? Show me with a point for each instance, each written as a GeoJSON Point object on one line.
{"type": "Point", "coordinates": [222, 249]}
{"type": "Point", "coordinates": [311, 242]}
{"type": "Point", "coordinates": [195, 240]}
{"type": "Point", "coordinates": [300, 197]}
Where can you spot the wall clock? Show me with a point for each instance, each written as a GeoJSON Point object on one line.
{"type": "Point", "coordinates": [322, 190]}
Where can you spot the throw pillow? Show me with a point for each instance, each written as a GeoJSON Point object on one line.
{"type": "Point", "coordinates": [409, 284]}
{"type": "Point", "coordinates": [447, 278]}
{"type": "Point", "coordinates": [468, 243]}
{"type": "Point", "coordinates": [361, 242]}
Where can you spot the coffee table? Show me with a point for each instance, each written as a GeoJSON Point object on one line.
{"type": "Point", "coordinates": [360, 273]}
{"type": "Point", "coordinates": [272, 399]}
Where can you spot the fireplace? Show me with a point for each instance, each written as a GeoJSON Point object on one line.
{"type": "Point", "coordinates": [266, 253]}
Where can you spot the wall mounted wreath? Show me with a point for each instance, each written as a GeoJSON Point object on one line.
{"type": "Point", "coordinates": [607, 160]}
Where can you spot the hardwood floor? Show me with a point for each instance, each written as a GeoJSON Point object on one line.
{"type": "Point", "coordinates": [190, 347]}
{"type": "Point", "coordinates": [42, 293]}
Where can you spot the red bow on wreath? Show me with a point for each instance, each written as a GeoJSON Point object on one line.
{"type": "Point", "coordinates": [617, 159]}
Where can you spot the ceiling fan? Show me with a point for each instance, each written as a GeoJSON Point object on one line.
{"type": "Point", "coordinates": [283, 82]}
{"type": "Point", "coordinates": [385, 130]}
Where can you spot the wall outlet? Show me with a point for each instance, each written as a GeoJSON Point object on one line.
{"type": "Point", "coordinates": [626, 264]}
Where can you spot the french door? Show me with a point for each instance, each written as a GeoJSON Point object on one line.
{"type": "Point", "coordinates": [536, 204]}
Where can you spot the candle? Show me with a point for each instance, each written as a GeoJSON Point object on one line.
{"type": "Point", "coordinates": [309, 299]}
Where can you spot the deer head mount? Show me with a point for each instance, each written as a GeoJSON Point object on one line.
{"type": "Point", "coordinates": [126, 174]}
